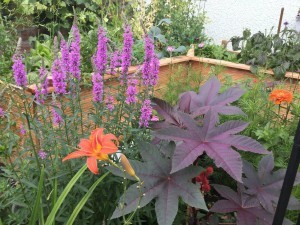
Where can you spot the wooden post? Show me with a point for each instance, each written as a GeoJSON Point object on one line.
{"type": "Point", "coordinates": [280, 20]}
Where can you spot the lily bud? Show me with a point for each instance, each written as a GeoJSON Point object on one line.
{"type": "Point", "coordinates": [126, 165]}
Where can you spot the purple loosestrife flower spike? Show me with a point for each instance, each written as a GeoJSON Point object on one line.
{"type": "Point", "coordinates": [146, 113]}
{"type": "Point", "coordinates": [97, 87]}
{"type": "Point", "coordinates": [74, 56]}
{"type": "Point", "coordinates": [100, 58]}
{"type": "Point", "coordinates": [58, 77]}
{"type": "Point", "coordinates": [109, 101]}
{"type": "Point", "coordinates": [19, 70]}
{"type": "Point", "coordinates": [2, 112]}
{"type": "Point", "coordinates": [38, 96]}
{"type": "Point", "coordinates": [56, 118]}
{"type": "Point", "coordinates": [64, 49]}
{"type": "Point", "coordinates": [155, 71]}
{"type": "Point", "coordinates": [42, 154]}
{"type": "Point", "coordinates": [127, 52]}
{"type": "Point", "coordinates": [131, 91]}
{"type": "Point", "coordinates": [115, 61]}
{"type": "Point", "coordinates": [41, 92]}
{"type": "Point", "coordinates": [147, 66]}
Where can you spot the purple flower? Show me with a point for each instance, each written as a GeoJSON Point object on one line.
{"type": "Point", "coordinates": [38, 96]}
{"type": "Point", "coordinates": [148, 61]}
{"type": "Point", "coordinates": [41, 91]}
{"type": "Point", "coordinates": [170, 49]}
{"type": "Point", "coordinates": [115, 61]}
{"type": "Point", "coordinates": [64, 56]}
{"type": "Point", "coordinates": [100, 58]}
{"type": "Point", "coordinates": [286, 23]}
{"type": "Point", "coordinates": [42, 154]}
{"type": "Point", "coordinates": [19, 70]}
{"type": "Point", "coordinates": [127, 51]}
{"type": "Point", "coordinates": [131, 91]}
{"type": "Point", "coordinates": [74, 57]}
{"type": "Point", "coordinates": [109, 101]}
{"type": "Point", "coordinates": [56, 118]}
{"type": "Point", "coordinates": [22, 130]}
{"type": "Point", "coordinates": [146, 113]}
{"type": "Point", "coordinates": [59, 77]}
{"type": "Point", "coordinates": [155, 71]}
{"type": "Point", "coordinates": [201, 45]}
{"type": "Point", "coordinates": [97, 87]}
{"type": "Point", "coordinates": [2, 112]}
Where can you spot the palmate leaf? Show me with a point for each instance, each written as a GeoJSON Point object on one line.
{"type": "Point", "coordinates": [248, 210]}
{"type": "Point", "coordinates": [170, 114]}
{"type": "Point", "coordinates": [209, 98]}
{"type": "Point", "coordinates": [266, 184]}
{"type": "Point", "coordinates": [159, 184]}
{"type": "Point", "coordinates": [216, 142]}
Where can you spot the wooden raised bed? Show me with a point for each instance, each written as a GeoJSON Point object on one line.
{"type": "Point", "coordinates": [168, 66]}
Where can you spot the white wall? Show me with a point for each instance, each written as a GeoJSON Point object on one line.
{"type": "Point", "coordinates": [228, 18]}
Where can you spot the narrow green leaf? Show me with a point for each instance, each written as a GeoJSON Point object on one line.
{"type": "Point", "coordinates": [63, 195]}
{"type": "Point", "coordinates": [36, 208]}
{"type": "Point", "coordinates": [84, 200]}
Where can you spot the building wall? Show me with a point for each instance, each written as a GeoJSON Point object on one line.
{"type": "Point", "coordinates": [228, 18]}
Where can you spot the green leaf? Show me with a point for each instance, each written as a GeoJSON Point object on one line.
{"type": "Point", "coordinates": [161, 38]}
{"type": "Point", "coordinates": [180, 49]}
{"type": "Point", "coordinates": [36, 207]}
{"type": "Point", "coordinates": [279, 72]}
{"type": "Point", "coordinates": [154, 31]}
{"type": "Point", "coordinates": [84, 200]}
{"type": "Point", "coordinates": [166, 20]}
{"type": "Point", "coordinates": [63, 195]}
{"type": "Point", "coordinates": [254, 69]}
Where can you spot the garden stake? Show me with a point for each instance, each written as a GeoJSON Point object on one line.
{"type": "Point", "coordinates": [280, 20]}
{"type": "Point", "coordinates": [288, 182]}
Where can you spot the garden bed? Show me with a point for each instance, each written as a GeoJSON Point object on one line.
{"type": "Point", "coordinates": [168, 66]}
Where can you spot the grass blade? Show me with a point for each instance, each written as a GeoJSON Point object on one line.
{"type": "Point", "coordinates": [84, 200]}
{"type": "Point", "coordinates": [63, 195]}
{"type": "Point", "coordinates": [37, 203]}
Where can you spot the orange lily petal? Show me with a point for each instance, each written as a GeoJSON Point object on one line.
{"type": "Point", "coordinates": [96, 137]}
{"type": "Point", "coordinates": [97, 132]}
{"type": "Point", "coordinates": [92, 165]}
{"type": "Point", "coordinates": [109, 148]}
{"type": "Point", "coordinates": [85, 145]}
{"type": "Point", "coordinates": [76, 154]}
{"type": "Point", "coordinates": [109, 137]}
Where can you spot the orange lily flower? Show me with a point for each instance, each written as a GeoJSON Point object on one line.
{"type": "Point", "coordinates": [97, 147]}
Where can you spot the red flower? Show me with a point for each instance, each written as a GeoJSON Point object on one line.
{"type": "Point", "coordinates": [97, 147]}
{"type": "Point", "coordinates": [202, 178]}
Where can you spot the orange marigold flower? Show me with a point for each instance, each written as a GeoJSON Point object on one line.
{"type": "Point", "coordinates": [278, 96]}
{"type": "Point", "coordinates": [97, 147]}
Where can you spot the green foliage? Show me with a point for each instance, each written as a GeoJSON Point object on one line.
{"type": "Point", "coordinates": [20, 180]}
{"type": "Point", "coordinates": [216, 52]}
{"type": "Point", "coordinates": [279, 52]}
{"type": "Point", "coordinates": [179, 83]}
{"type": "Point", "coordinates": [271, 126]}
{"type": "Point", "coordinates": [8, 37]}
{"type": "Point", "coordinates": [187, 21]}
